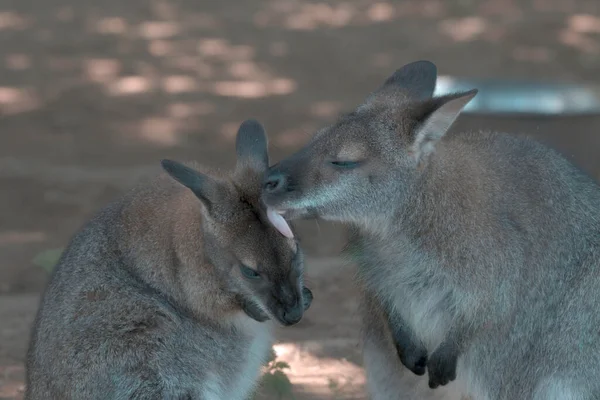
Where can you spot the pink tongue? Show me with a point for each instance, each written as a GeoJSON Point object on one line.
{"type": "Point", "coordinates": [279, 223]}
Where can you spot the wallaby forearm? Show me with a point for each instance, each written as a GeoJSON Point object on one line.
{"type": "Point", "coordinates": [411, 350]}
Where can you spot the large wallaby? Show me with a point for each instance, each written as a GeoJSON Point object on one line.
{"type": "Point", "coordinates": [165, 294]}
{"type": "Point", "coordinates": [480, 250]}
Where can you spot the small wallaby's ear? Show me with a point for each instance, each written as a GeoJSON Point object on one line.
{"type": "Point", "coordinates": [251, 147]}
{"type": "Point", "coordinates": [204, 187]}
{"type": "Point", "coordinates": [437, 116]}
{"type": "Point", "coordinates": [416, 79]}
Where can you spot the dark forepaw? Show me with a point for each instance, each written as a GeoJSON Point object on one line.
{"type": "Point", "coordinates": [442, 369]}
{"type": "Point", "coordinates": [413, 358]}
{"type": "Point", "coordinates": [253, 311]}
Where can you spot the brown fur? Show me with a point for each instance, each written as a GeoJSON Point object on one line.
{"type": "Point", "coordinates": [150, 300]}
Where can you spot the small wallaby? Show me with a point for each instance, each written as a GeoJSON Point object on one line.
{"type": "Point", "coordinates": [166, 293]}
{"type": "Point", "coordinates": [479, 250]}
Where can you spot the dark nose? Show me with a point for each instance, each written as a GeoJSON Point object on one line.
{"type": "Point", "coordinates": [293, 315]}
{"type": "Point", "coordinates": [274, 182]}
{"type": "Point", "coordinates": [307, 298]}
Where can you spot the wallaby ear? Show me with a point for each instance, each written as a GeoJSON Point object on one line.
{"type": "Point", "coordinates": [204, 187]}
{"type": "Point", "coordinates": [416, 79]}
{"type": "Point", "coordinates": [437, 117]}
{"type": "Point", "coordinates": [251, 146]}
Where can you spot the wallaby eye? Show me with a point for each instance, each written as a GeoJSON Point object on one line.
{"type": "Point", "coordinates": [249, 272]}
{"type": "Point", "coordinates": [345, 164]}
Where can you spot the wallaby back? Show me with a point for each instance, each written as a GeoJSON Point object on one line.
{"type": "Point", "coordinates": [482, 249]}
{"type": "Point", "coordinates": [165, 293]}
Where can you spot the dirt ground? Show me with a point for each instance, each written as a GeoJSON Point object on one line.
{"type": "Point", "coordinates": [94, 94]}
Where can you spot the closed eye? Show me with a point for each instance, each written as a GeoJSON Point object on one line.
{"type": "Point", "coordinates": [345, 164]}
{"type": "Point", "coordinates": [249, 272]}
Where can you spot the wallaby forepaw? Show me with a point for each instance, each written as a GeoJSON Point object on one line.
{"type": "Point", "coordinates": [253, 311]}
{"type": "Point", "coordinates": [442, 370]}
{"type": "Point", "coordinates": [414, 359]}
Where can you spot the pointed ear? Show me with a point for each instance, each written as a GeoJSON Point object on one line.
{"type": "Point", "coordinates": [437, 116]}
{"type": "Point", "coordinates": [207, 189]}
{"type": "Point", "coordinates": [251, 147]}
{"type": "Point", "coordinates": [416, 79]}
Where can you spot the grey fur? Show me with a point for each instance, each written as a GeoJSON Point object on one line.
{"type": "Point", "coordinates": [480, 251]}
{"type": "Point", "coordinates": [149, 300]}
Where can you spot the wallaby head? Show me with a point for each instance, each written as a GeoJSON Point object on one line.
{"type": "Point", "coordinates": [252, 258]}
{"type": "Point", "coordinates": [355, 169]}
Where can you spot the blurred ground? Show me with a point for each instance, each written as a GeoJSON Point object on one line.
{"type": "Point", "coordinates": [94, 94]}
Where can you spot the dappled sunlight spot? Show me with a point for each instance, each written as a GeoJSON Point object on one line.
{"type": "Point", "coordinates": [14, 100]}
{"type": "Point", "coordinates": [18, 61]}
{"type": "Point", "coordinates": [179, 84]}
{"type": "Point", "coordinates": [254, 89]}
{"type": "Point", "coordinates": [319, 375]}
{"type": "Point", "coordinates": [313, 15]}
{"type": "Point", "coordinates": [532, 54]}
{"type": "Point", "coordinates": [213, 47]}
{"type": "Point", "coordinates": [381, 12]}
{"type": "Point", "coordinates": [302, 21]}
{"type": "Point", "coordinates": [159, 48]}
{"type": "Point", "coordinates": [185, 110]}
{"type": "Point", "coordinates": [325, 109]}
{"type": "Point", "coordinates": [281, 86]}
{"type": "Point", "coordinates": [463, 29]}
{"type": "Point", "coordinates": [220, 49]}
{"type": "Point", "coordinates": [101, 69]}
{"type": "Point", "coordinates": [247, 89]}
{"type": "Point", "coordinates": [584, 23]}
{"type": "Point", "coordinates": [130, 85]}
{"type": "Point", "coordinates": [15, 237]}
{"type": "Point", "coordinates": [158, 29]}
{"type": "Point", "coordinates": [12, 20]}
{"type": "Point", "coordinates": [578, 41]}
{"type": "Point", "coordinates": [159, 130]}
{"type": "Point", "coordinates": [295, 15]}
{"type": "Point", "coordinates": [303, 16]}
{"type": "Point", "coordinates": [111, 26]}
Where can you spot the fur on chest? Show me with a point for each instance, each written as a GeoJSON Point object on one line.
{"type": "Point", "coordinates": [411, 282]}
{"type": "Point", "coordinates": [256, 339]}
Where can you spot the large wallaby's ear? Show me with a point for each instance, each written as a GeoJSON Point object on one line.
{"type": "Point", "coordinates": [436, 117]}
{"type": "Point", "coordinates": [251, 147]}
{"type": "Point", "coordinates": [416, 79]}
{"type": "Point", "coordinates": [204, 187]}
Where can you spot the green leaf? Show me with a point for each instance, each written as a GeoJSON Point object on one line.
{"type": "Point", "coordinates": [282, 365]}
{"type": "Point", "coordinates": [278, 383]}
{"type": "Point", "coordinates": [48, 259]}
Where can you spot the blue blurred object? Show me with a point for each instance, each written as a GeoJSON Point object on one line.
{"type": "Point", "coordinates": [524, 97]}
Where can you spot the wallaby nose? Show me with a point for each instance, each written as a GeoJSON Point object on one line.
{"type": "Point", "coordinates": [274, 182]}
{"type": "Point", "coordinates": [307, 298]}
{"type": "Point", "coordinates": [293, 315]}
